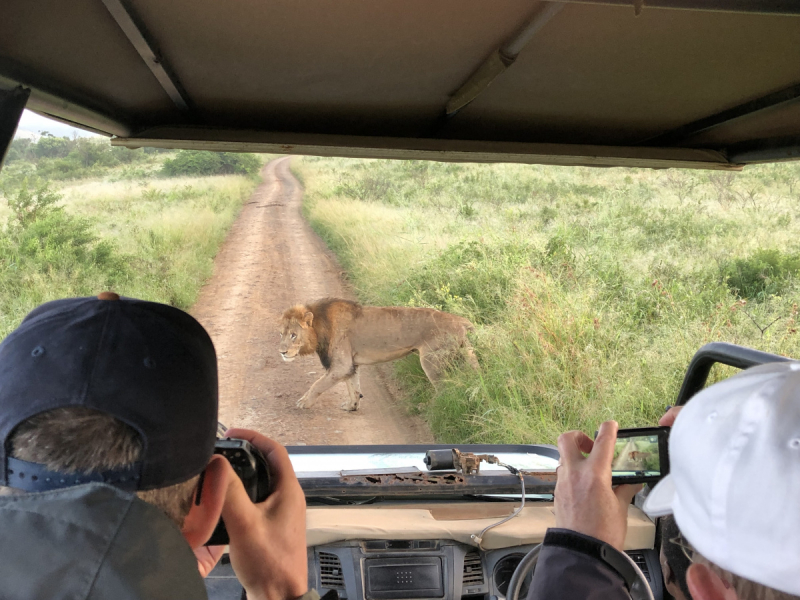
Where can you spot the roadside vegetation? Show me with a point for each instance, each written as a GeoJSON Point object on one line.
{"type": "Point", "coordinates": [79, 216]}
{"type": "Point", "coordinates": [590, 289]}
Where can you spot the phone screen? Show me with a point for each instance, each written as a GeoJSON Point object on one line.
{"type": "Point", "coordinates": [640, 455]}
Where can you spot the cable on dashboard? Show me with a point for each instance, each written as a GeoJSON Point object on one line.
{"type": "Point", "coordinates": [478, 539]}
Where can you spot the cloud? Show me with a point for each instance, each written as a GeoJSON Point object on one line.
{"type": "Point", "coordinates": [31, 125]}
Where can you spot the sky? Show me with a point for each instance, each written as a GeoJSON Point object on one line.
{"type": "Point", "coordinates": [31, 125]}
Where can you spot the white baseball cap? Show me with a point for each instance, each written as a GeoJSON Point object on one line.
{"type": "Point", "coordinates": [734, 482]}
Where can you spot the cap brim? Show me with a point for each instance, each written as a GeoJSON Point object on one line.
{"type": "Point", "coordinates": [659, 501]}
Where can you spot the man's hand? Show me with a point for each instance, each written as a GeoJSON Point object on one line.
{"type": "Point", "coordinates": [268, 540]}
{"type": "Point", "coordinates": [584, 499]}
{"type": "Point", "coordinates": [668, 418]}
{"type": "Point", "coordinates": [207, 558]}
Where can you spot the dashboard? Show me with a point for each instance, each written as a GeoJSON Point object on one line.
{"type": "Point", "coordinates": [422, 569]}
{"type": "Point", "coordinates": [372, 535]}
{"type": "Point", "coordinates": [414, 569]}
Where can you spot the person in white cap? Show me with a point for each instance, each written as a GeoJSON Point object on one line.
{"type": "Point", "coordinates": [734, 485]}
{"type": "Point", "coordinates": [733, 489]}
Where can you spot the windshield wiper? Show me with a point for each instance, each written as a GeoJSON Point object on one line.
{"type": "Point", "coordinates": [508, 497]}
{"type": "Point", "coordinates": [331, 501]}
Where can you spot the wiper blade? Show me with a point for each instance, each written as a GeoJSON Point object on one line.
{"type": "Point", "coordinates": [508, 497]}
{"type": "Point", "coordinates": [331, 501]}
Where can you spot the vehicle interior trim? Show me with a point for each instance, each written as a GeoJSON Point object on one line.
{"type": "Point", "coordinates": [328, 525]}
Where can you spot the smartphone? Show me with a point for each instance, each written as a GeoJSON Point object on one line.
{"type": "Point", "coordinates": [640, 455]}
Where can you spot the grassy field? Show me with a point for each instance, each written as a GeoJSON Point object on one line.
{"type": "Point", "coordinates": [591, 289]}
{"type": "Point", "coordinates": [73, 227]}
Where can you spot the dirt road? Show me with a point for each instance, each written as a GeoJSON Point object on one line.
{"type": "Point", "coordinates": [270, 261]}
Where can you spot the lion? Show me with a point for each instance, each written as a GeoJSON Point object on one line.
{"type": "Point", "coordinates": [347, 335]}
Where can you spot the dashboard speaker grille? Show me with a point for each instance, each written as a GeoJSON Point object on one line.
{"type": "Point", "coordinates": [641, 562]}
{"type": "Point", "coordinates": [330, 571]}
{"type": "Point", "coordinates": [473, 569]}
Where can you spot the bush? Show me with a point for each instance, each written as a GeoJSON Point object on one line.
{"type": "Point", "coordinates": [473, 279]}
{"type": "Point", "coordinates": [48, 246]}
{"type": "Point", "coordinates": [27, 206]}
{"type": "Point", "coordinates": [63, 168]}
{"type": "Point", "coordinates": [195, 162]}
{"type": "Point", "coordinates": [63, 158]}
{"type": "Point", "coordinates": [762, 274]}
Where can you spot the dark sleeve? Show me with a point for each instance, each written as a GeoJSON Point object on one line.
{"type": "Point", "coordinates": [573, 566]}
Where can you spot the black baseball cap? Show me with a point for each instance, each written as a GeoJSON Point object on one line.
{"type": "Point", "coordinates": [150, 365]}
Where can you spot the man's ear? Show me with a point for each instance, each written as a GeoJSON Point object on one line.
{"type": "Point", "coordinates": [704, 584]}
{"type": "Point", "coordinates": [308, 318]}
{"type": "Point", "coordinates": [203, 518]}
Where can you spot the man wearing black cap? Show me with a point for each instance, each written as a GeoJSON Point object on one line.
{"type": "Point", "coordinates": [108, 416]}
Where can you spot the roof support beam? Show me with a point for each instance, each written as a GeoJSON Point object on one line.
{"type": "Point", "coordinates": [499, 60]}
{"type": "Point", "coordinates": [12, 103]}
{"type": "Point", "coordinates": [147, 49]}
{"type": "Point", "coordinates": [63, 104]}
{"type": "Point", "coordinates": [450, 150]}
{"type": "Point", "coordinates": [766, 150]}
{"type": "Point", "coordinates": [761, 7]}
{"type": "Point", "coordinates": [684, 132]}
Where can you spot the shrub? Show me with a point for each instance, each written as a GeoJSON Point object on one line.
{"type": "Point", "coordinates": [27, 206]}
{"type": "Point", "coordinates": [63, 168]}
{"type": "Point", "coordinates": [64, 158]}
{"type": "Point", "coordinates": [48, 246]}
{"type": "Point", "coordinates": [467, 209]}
{"type": "Point", "coordinates": [764, 273]}
{"type": "Point", "coordinates": [196, 162]}
{"type": "Point", "coordinates": [474, 279]}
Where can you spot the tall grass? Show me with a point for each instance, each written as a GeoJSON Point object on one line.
{"type": "Point", "coordinates": [591, 289]}
{"type": "Point", "coordinates": [143, 237]}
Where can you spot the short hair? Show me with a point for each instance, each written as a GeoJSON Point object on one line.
{"type": "Point", "coordinates": [679, 563]}
{"type": "Point", "coordinates": [79, 439]}
{"type": "Point", "coordinates": [745, 588]}
{"type": "Point", "coordinates": [676, 558]}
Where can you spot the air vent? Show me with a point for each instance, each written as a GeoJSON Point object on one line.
{"type": "Point", "coordinates": [473, 569]}
{"type": "Point", "coordinates": [330, 571]}
{"type": "Point", "coordinates": [641, 562]}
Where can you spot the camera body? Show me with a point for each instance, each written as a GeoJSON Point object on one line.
{"type": "Point", "coordinates": [250, 464]}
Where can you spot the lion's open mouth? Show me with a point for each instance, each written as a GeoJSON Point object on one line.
{"type": "Point", "coordinates": [287, 358]}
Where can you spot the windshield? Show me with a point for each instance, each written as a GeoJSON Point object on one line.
{"type": "Point", "coordinates": [526, 300]}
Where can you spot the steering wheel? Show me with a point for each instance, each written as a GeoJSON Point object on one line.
{"type": "Point", "coordinates": [640, 590]}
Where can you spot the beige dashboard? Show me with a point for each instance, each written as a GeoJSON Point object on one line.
{"type": "Point", "coordinates": [451, 521]}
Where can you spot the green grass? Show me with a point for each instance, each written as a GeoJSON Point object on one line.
{"type": "Point", "coordinates": [591, 289]}
{"type": "Point", "coordinates": [125, 230]}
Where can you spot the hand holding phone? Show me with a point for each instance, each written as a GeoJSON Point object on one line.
{"type": "Point", "coordinates": [584, 498]}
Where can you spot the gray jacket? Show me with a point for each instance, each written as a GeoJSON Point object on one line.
{"type": "Point", "coordinates": [91, 542]}
{"type": "Point", "coordinates": [573, 566]}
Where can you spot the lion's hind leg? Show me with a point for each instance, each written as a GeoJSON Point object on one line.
{"type": "Point", "coordinates": [436, 357]}
{"type": "Point", "coordinates": [354, 390]}
{"type": "Point", "coordinates": [434, 363]}
{"type": "Point", "coordinates": [469, 354]}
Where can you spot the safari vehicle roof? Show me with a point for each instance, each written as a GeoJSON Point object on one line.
{"type": "Point", "coordinates": [658, 83]}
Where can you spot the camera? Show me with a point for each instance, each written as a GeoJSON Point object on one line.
{"type": "Point", "coordinates": [250, 464]}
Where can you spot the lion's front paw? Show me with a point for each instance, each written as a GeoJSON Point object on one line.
{"type": "Point", "coordinates": [303, 402]}
{"type": "Point", "coordinates": [349, 406]}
